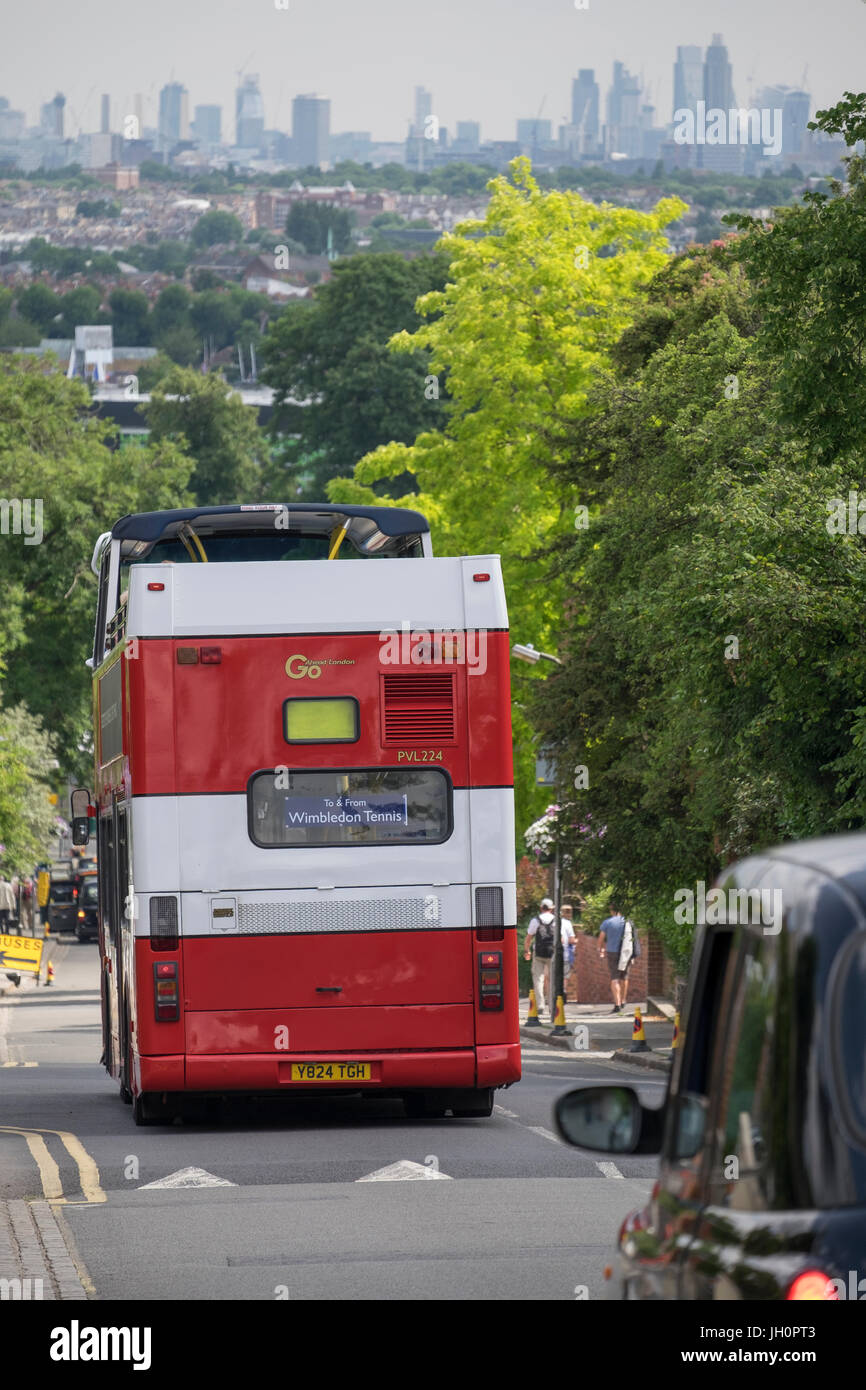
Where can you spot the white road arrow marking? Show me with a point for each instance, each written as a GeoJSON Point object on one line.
{"type": "Point", "coordinates": [609, 1170]}
{"type": "Point", "coordinates": [404, 1171]}
{"type": "Point", "coordinates": [189, 1177]}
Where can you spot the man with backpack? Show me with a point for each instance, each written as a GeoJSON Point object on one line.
{"type": "Point", "coordinates": [538, 948]}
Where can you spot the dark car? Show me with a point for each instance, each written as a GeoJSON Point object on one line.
{"type": "Point", "coordinates": [762, 1187]}
{"type": "Point", "coordinates": [87, 916]}
{"type": "Point", "coordinates": [62, 905]}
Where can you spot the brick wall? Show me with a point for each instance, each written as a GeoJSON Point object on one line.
{"type": "Point", "coordinates": [589, 981]}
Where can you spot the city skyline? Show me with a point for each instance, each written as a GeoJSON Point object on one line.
{"type": "Point", "coordinates": [368, 63]}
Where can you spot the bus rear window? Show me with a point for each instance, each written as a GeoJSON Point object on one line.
{"type": "Point", "coordinates": [363, 806]}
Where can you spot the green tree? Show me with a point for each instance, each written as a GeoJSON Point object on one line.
{"type": "Point", "coordinates": [810, 277]}
{"type": "Point", "coordinates": [27, 817]}
{"type": "Point", "coordinates": [537, 295]}
{"type": "Point", "coordinates": [130, 315]}
{"type": "Point", "coordinates": [211, 424]}
{"type": "Point", "coordinates": [332, 352]}
{"type": "Point", "coordinates": [55, 453]}
{"type": "Point", "coordinates": [41, 307]}
{"type": "Point", "coordinates": [712, 688]}
{"type": "Point", "coordinates": [217, 228]}
{"type": "Point", "coordinates": [80, 306]}
{"type": "Point", "coordinates": [310, 223]}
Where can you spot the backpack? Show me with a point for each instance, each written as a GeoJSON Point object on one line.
{"type": "Point", "coordinates": [544, 941]}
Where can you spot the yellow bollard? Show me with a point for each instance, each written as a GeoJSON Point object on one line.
{"type": "Point", "coordinates": [638, 1036]}
{"type": "Point", "coordinates": [676, 1038]}
{"type": "Point", "coordinates": [532, 1019]}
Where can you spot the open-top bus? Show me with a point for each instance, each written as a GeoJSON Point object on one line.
{"type": "Point", "coordinates": [304, 810]}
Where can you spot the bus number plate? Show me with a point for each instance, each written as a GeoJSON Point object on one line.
{"type": "Point", "coordinates": [330, 1071]}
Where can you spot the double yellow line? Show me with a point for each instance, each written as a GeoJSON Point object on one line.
{"type": "Point", "coordinates": [49, 1172]}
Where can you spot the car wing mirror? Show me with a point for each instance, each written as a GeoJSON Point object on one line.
{"type": "Point", "coordinates": [610, 1119]}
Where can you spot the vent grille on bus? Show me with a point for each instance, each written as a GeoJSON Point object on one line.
{"type": "Point", "coordinates": [418, 709]}
{"type": "Point", "coordinates": [489, 910]}
{"type": "Point", "coordinates": [368, 914]}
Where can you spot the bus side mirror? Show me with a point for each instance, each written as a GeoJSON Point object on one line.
{"type": "Point", "coordinates": [80, 831]}
{"type": "Point", "coordinates": [80, 801]}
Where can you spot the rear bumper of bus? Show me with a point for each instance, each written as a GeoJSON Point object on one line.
{"type": "Point", "coordinates": [489, 1065]}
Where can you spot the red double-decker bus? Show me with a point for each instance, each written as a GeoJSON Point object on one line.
{"type": "Point", "coordinates": [305, 810]}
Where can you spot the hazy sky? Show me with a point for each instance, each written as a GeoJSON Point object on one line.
{"type": "Point", "coordinates": [486, 60]}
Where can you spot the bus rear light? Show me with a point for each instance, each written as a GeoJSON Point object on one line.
{"type": "Point", "coordinates": [211, 656]}
{"type": "Point", "coordinates": [489, 910]}
{"type": "Point", "coordinates": [481, 578]}
{"type": "Point", "coordinates": [163, 924]}
{"type": "Point", "coordinates": [490, 980]}
{"type": "Point", "coordinates": [156, 588]}
{"type": "Point", "coordinates": [187, 656]}
{"type": "Point", "coordinates": [490, 934]}
{"type": "Point", "coordinates": [165, 991]}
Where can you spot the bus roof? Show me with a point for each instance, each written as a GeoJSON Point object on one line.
{"type": "Point", "coordinates": [371, 528]}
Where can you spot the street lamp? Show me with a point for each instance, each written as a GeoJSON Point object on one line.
{"type": "Point", "coordinates": [529, 653]}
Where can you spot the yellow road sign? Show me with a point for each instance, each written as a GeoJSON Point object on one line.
{"type": "Point", "coordinates": [21, 953]}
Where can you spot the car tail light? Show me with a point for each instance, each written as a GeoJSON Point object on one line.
{"type": "Point", "coordinates": [211, 656]}
{"type": "Point", "coordinates": [481, 578]}
{"type": "Point", "coordinates": [812, 1285]}
{"type": "Point", "coordinates": [163, 924]}
{"type": "Point", "coordinates": [490, 980]}
{"type": "Point", "coordinates": [80, 913]}
{"type": "Point", "coordinates": [156, 588]}
{"type": "Point", "coordinates": [165, 992]}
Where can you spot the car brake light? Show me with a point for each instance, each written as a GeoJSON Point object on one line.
{"type": "Point", "coordinates": [812, 1285]}
{"type": "Point", "coordinates": [490, 980]}
{"type": "Point", "coordinates": [165, 990]}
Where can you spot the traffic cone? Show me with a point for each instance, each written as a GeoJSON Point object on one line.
{"type": "Point", "coordinates": [638, 1037]}
{"type": "Point", "coordinates": [49, 974]}
{"type": "Point", "coordinates": [532, 1019]}
{"type": "Point", "coordinates": [559, 1028]}
{"type": "Point", "coordinates": [676, 1038]}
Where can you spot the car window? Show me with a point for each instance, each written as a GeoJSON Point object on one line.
{"type": "Point", "coordinates": [750, 1095]}
{"type": "Point", "coordinates": [850, 1050]}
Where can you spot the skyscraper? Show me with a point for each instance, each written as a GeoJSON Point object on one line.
{"type": "Point", "coordinates": [468, 137]}
{"type": "Point", "coordinates": [51, 116]}
{"type": "Point", "coordinates": [173, 114]}
{"type": "Point", "coordinates": [624, 134]}
{"type": "Point", "coordinates": [249, 114]}
{"type": "Point", "coordinates": [688, 78]}
{"type": "Point", "coordinates": [727, 158]}
{"type": "Point", "coordinates": [533, 132]}
{"type": "Point", "coordinates": [311, 130]}
{"type": "Point", "coordinates": [105, 123]}
{"type": "Point", "coordinates": [207, 125]}
{"type": "Point", "coordinates": [584, 110]}
{"type": "Point", "coordinates": [423, 109]}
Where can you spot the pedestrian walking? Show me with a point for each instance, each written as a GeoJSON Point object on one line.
{"type": "Point", "coordinates": [618, 944]}
{"type": "Point", "coordinates": [538, 948]}
{"type": "Point", "coordinates": [7, 903]}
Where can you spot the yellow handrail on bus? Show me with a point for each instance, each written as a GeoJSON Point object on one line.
{"type": "Point", "coordinates": [339, 540]}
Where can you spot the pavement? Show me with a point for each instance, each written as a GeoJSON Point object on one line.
{"type": "Point", "coordinates": [594, 1029]}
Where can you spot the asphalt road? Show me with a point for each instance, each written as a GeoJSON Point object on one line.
{"type": "Point", "coordinates": [286, 1213]}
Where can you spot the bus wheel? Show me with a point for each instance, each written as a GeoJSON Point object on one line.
{"type": "Point", "coordinates": [141, 1111]}
{"type": "Point", "coordinates": [476, 1105]}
